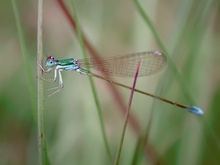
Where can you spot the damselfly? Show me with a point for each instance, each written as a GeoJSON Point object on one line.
{"type": "Point", "coordinates": [123, 66]}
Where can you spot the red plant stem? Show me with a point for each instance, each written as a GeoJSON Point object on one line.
{"type": "Point", "coordinates": [127, 115]}
{"type": "Point", "coordinates": [132, 120]}
{"type": "Point", "coordinates": [95, 55]}
{"type": "Point", "coordinates": [134, 84]}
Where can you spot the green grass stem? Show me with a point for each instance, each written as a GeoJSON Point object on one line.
{"type": "Point", "coordinates": [179, 77]}
{"type": "Point", "coordinates": [26, 57]}
{"type": "Point", "coordinates": [42, 145]}
{"type": "Point", "coordinates": [92, 83]}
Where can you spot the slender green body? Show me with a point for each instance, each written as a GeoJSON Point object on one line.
{"type": "Point", "coordinates": [123, 66]}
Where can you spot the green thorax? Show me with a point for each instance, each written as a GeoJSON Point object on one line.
{"type": "Point", "coordinates": [65, 62]}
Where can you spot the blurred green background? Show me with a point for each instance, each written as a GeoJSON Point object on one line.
{"type": "Point", "coordinates": [190, 31]}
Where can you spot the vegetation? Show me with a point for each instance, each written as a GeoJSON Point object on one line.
{"type": "Point", "coordinates": [84, 123]}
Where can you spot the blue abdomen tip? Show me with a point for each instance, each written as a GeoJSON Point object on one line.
{"type": "Point", "coordinates": [196, 110]}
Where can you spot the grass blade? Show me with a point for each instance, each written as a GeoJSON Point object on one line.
{"type": "Point", "coordinates": [134, 123]}
{"type": "Point", "coordinates": [25, 56]}
{"type": "Point", "coordinates": [173, 67]}
{"type": "Point", "coordinates": [126, 117]}
{"type": "Point", "coordinates": [98, 107]}
{"type": "Point", "coordinates": [42, 145]}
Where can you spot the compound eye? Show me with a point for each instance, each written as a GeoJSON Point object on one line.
{"type": "Point", "coordinates": [50, 59]}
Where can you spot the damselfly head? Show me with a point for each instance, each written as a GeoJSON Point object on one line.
{"type": "Point", "coordinates": [50, 62]}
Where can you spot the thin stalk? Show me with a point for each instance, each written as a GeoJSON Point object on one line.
{"type": "Point", "coordinates": [135, 125]}
{"type": "Point", "coordinates": [132, 120]}
{"type": "Point", "coordinates": [126, 117]}
{"type": "Point", "coordinates": [25, 56]}
{"type": "Point", "coordinates": [173, 67]}
{"type": "Point", "coordinates": [42, 146]}
{"type": "Point", "coordinates": [98, 107]}
{"type": "Point", "coordinates": [141, 144]}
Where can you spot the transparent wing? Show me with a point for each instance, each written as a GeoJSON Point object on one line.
{"type": "Point", "coordinates": [125, 65]}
